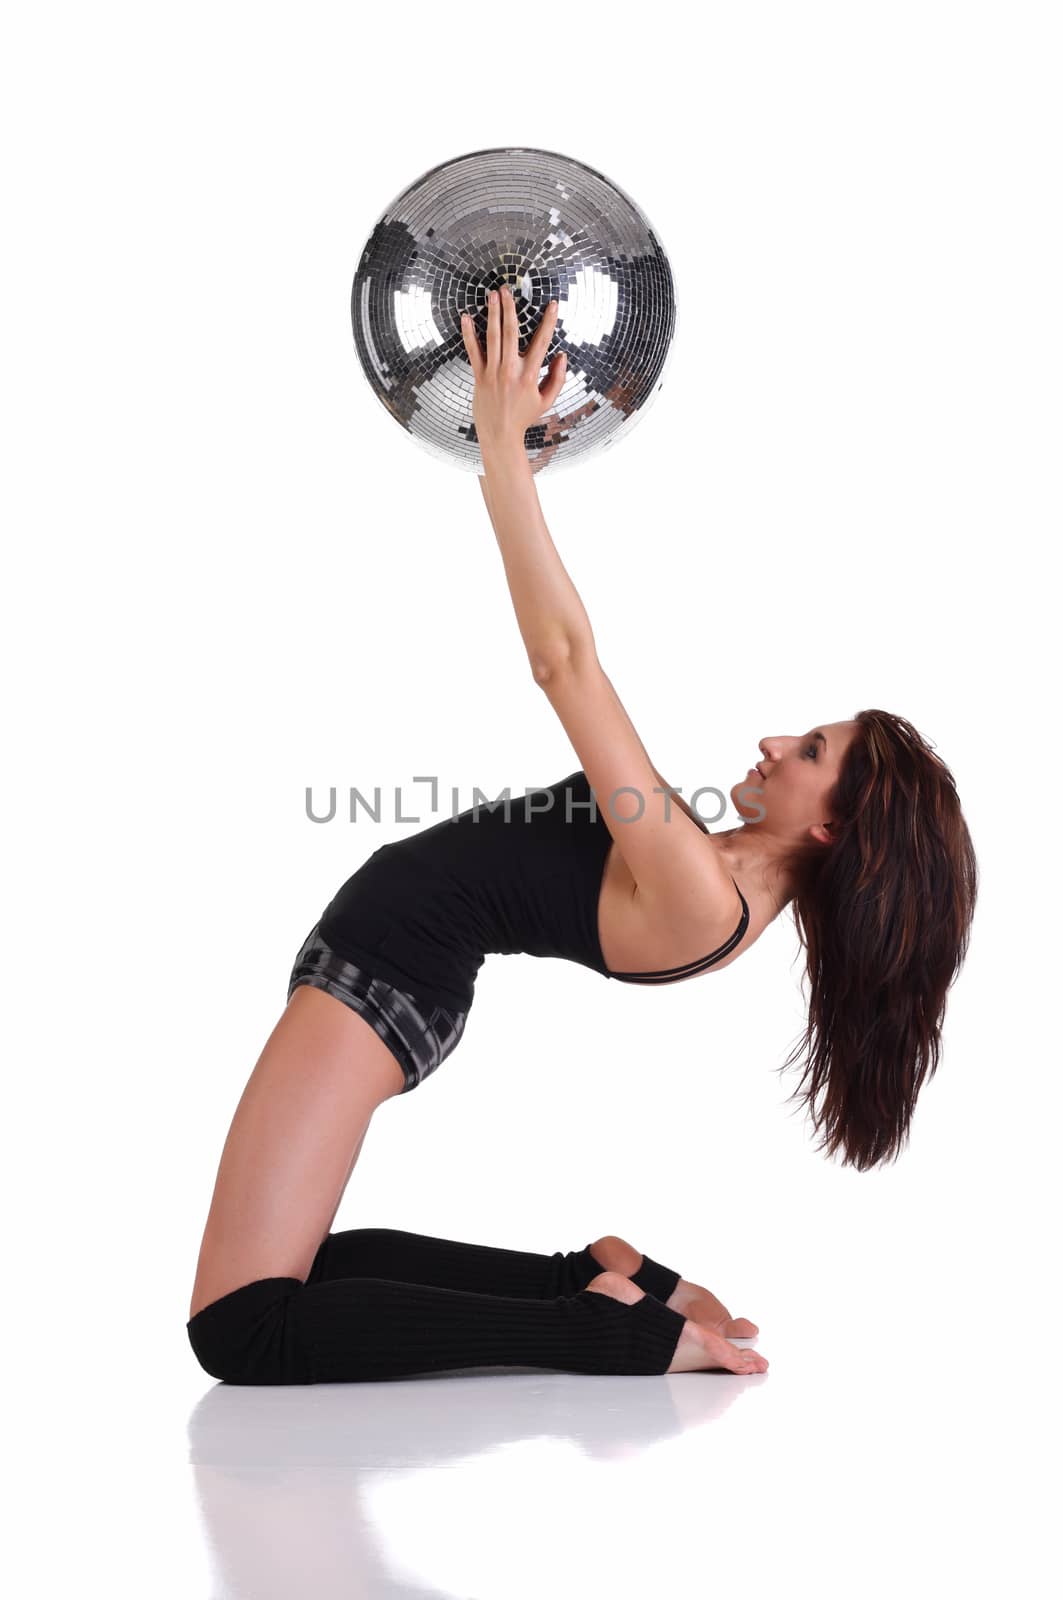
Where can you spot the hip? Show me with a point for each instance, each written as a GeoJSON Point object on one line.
{"type": "Point", "coordinates": [419, 1030]}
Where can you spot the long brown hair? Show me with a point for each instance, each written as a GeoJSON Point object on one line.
{"type": "Point", "coordinates": [884, 915]}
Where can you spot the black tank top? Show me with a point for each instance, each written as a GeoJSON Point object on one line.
{"type": "Point", "coordinates": [422, 913]}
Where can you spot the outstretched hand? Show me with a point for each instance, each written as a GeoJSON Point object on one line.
{"type": "Point", "coordinates": [507, 395]}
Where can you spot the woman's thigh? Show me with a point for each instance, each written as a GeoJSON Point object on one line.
{"type": "Point", "coordinates": [290, 1148]}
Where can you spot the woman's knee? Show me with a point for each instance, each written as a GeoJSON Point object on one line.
{"type": "Point", "coordinates": [249, 1335]}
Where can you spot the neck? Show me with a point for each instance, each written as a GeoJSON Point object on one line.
{"type": "Point", "coordinates": [761, 859]}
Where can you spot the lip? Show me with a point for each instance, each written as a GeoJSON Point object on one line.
{"type": "Point", "coordinates": [757, 772]}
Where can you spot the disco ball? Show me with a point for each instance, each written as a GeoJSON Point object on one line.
{"type": "Point", "coordinates": [553, 229]}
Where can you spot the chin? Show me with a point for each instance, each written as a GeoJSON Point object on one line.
{"type": "Point", "coordinates": [747, 797]}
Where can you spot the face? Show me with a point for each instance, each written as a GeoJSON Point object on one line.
{"type": "Point", "coordinates": [787, 792]}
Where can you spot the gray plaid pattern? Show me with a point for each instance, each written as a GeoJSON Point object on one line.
{"type": "Point", "coordinates": [420, 1037]}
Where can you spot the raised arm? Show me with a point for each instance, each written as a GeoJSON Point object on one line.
{"type": "Point", "coordinates": [550, 614]}
{"type": "Point", "coordinates": [580, 629]}
{"type": "Point", "coordinates": [664, 848]}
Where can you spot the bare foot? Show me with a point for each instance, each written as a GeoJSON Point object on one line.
{"type": "Point", "coordinates": [616, 1255]}
{"type": "Point", "coordinates": [617, 1287]}
{"type": "Point", "coordinates": [699, 1348]}
{"type": "Point", "coordinates": [702, 1307]}
{"type": "Point", "coordinates": [689, 1299]}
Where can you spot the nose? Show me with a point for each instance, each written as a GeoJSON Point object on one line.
{"type": "Point", "coordinates": [773, 747]}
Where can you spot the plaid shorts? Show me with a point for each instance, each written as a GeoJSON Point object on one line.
{"type": "Point", "coordinates": [419, 1036]}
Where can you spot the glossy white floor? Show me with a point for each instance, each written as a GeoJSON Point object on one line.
{"type": "Point", "coordinates": [881, 1465]}
{"type": "Point", "coordinates": [895, 1459]}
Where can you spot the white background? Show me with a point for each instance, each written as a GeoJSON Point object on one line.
{"type": "Point", "coordinates": [230, 575]}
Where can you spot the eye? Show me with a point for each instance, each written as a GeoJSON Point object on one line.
{"type": "Point", "coordinates": [814, 747]}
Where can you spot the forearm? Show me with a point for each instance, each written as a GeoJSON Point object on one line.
{"type": "Point", "coordinates": [556, 600]}
{"type": "Point", "coordinates": [550, 614]}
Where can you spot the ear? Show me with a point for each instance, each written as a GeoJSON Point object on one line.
{"type": "Point", "coordinates": [822, 832]}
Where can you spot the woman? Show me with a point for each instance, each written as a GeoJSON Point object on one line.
{"type": "Point", "coordinates": [856, 822]}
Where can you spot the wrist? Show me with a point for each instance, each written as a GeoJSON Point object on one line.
{"type": "Point", "coordinates": [504, 451]}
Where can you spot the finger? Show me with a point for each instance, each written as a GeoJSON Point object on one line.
{"type": "Point", "coordinates": [494, 331]}
{"type": "Point", "coordinates": [510, 330]}
{"type": "Point", "coordinates": [555, 381]}
{"type": "Point", "coordinates": [536, 351]}
{"type": "Point", "coordinates": [472, 345]}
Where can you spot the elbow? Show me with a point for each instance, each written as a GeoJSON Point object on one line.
{"type": "Point", "coordinates": [546, 665]}
{"type": "Point", "coordinates": [553, 661]}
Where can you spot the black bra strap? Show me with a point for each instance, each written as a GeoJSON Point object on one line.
{"type": "Point", "coordinates": [669, 973]}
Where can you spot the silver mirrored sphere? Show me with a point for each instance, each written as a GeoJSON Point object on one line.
{"type": "Point", "coordinates": [551, 228]}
